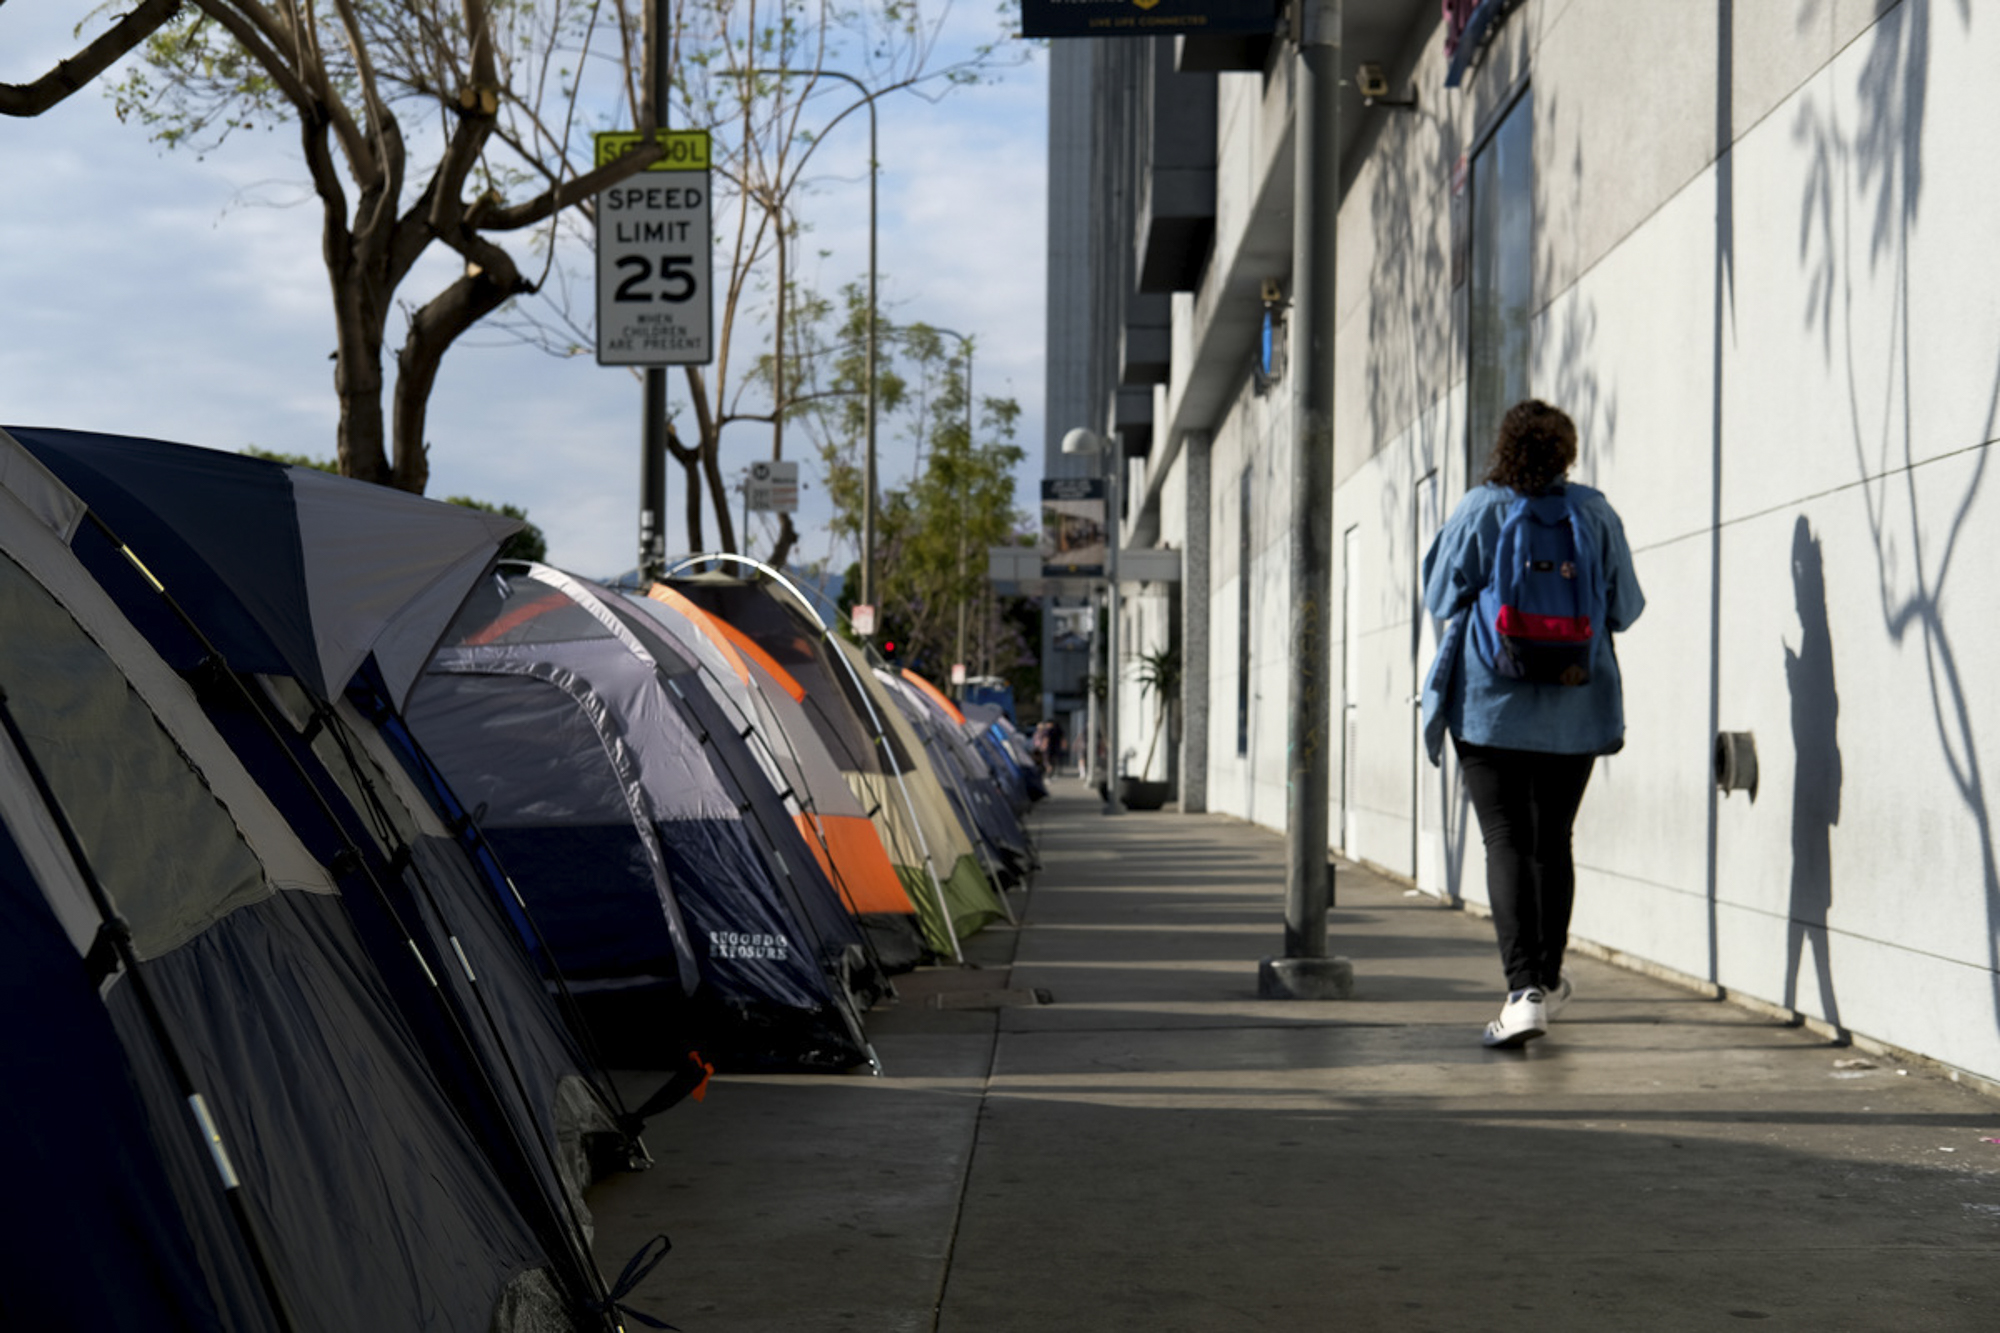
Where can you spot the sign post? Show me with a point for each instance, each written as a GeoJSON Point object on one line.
{"type": "Point", "coordinates": [655, 293]}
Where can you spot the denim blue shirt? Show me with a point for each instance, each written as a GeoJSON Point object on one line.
{"type": "Point", "coordinates": [1463, 695]}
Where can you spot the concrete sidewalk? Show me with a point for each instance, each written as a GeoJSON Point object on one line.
{"type": "Point", "coordinates": [1159, 1150]}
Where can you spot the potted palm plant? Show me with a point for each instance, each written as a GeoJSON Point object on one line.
{"type": "Point", "coordinates": [1159, 676]}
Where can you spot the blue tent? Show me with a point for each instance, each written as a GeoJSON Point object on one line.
{"type": "Point", "coordinates": [1008, 754]}
{"type": "Point", "coordinates": [251, 1123]}
{"type": "Point", "coordinates": [598, 761]}
{"type": "Point", "coordinates": [977, 797]}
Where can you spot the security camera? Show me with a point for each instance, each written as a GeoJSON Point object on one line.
{"type": "Point", "coordinates": [1373, 85]}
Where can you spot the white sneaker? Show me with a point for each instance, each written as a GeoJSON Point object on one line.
{"type": "Point", "coordinates": [1557, 997]}
{"type": "Point", "coordinates": [1522, 1019]}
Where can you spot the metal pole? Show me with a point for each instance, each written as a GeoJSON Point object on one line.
{"type": "Point", "coordinates": [1305, 971]}
{"type": "Point", "coordinates": [868, 465]}
{"type": "Point", "coordinates": [653, 477]}
{"type": "Point", "coordinates": [966, 344]}
{"type": "Point", "coordinates": [653, 429]}
{"type": "Point", "coordinates": [962, 598]}
{"type": "Point", "coordinates": [1114, 454]}
{"type": "Point", "coordinates": [1093, 716]}
{"type": "Point", "coordinates": [868, 97]}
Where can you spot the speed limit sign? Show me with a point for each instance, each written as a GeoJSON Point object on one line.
{"type": "Point", "coordinates": [655, 265]}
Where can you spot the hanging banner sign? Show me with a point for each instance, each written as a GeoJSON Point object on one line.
{"type": "Point", "coordinates": [1073, 531]}
{"type": "Point", "coordinates": [1145, 18]}
{"type": "Point", "coordinates": [655, 264]}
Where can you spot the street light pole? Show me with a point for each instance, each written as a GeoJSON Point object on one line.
{"type": "Point", "coordinates": [1306, 972]}
{"type": "Point", "coordinates": [965, 343]}
{"type": "Point", "coordinates": [868, 457]}
{"type": "Point", "coordinates": [1114, 536]}
{"type": "Point", "coordinates": [653, 430]}
{"type": "Point", "coordinates": [1109, 456]}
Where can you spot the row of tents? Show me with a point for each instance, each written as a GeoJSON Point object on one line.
{"type": "Point", "coordinates": [338, 859]}
{"type": "Point", "coordinates": [713, 802]}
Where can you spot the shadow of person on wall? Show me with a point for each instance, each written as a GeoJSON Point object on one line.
{"type": "Point", "coordinates": [1815, 777]}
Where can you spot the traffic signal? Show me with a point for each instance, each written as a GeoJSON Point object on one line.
{"type": "Point", "coordinates": [889, 649]}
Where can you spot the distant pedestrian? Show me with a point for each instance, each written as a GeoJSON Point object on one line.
{"type": "Point", "coordinates": [1530, 696]}
{"type": "Point", "coordinates": [1044, 743]}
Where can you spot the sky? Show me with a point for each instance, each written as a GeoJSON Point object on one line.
{"type": "Point", "coordinates": [152, 292]}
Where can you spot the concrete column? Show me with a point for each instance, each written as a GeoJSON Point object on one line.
{"type": "Point", "coordinates": [1195, 599]}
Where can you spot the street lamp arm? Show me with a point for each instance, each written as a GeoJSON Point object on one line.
{"type": "Point", "coordinates": [868, 484]}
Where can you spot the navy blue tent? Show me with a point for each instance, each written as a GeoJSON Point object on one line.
{"type": "Point", "coordinates": [1007, 753]}
{"type": "Point", "coordinates": [249, 1125]}
{"type": "Point", "coordinates": [755, 781]}
{"type": "Point", "coordinates": [286, 569]}
{"type": "Point", "coordinates": [638, 853]}
{"type": "Point", "coordinates": [108, 1247]}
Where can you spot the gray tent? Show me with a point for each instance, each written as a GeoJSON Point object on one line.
{"type": "Point", "coordinates": [233, 1117]}
{"type": "Point", "coordinates": [632, 824]}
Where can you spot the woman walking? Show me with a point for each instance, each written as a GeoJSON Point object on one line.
{"type": "Point", "coordinates": [1534, 574]}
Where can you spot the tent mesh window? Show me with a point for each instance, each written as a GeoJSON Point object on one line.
{"type": "Point", "coordinates": [517, 608]}
{"type": "Point", "coordinates": [121, 780]}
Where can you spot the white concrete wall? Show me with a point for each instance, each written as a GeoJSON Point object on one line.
{"type": "Point", "coordinates": [1145, 614]}
{"type": "Point", "coordinates": [1377, 677]}
{"type": "Point", "coordinates": [1629, 351]}
{"type": "Point", "coordinates": [1836, 269]}
{"type": "Point", "coordinates": [1861, 389]}
{"type": "Point", "coordinates": [1150, 629]}
{"type": "Point", "coordinates": [1772, 309]}
{"type": "Point", "coordinates": [1254, 435]}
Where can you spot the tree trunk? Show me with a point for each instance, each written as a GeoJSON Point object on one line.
{"type": "Point", "coordinates": [690, 462]}
{"type": "Point", "coordinates": [361, 445]}
{"type": "Point", "coordinates": [718, 491]}
{"type": "Point", "coordinates": [698, 459]}
{"type": "Point", "coordinates": [354, 255]}
{"type": "Point", "coordinates": [434, 328]}
{"type": "Point", "coordinates": [788, 537]}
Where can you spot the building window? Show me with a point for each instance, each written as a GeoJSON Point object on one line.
{"type": "Point", "coordinates": [1243, 616]}
{"type": "Point", "coordinates": [1503, 231]}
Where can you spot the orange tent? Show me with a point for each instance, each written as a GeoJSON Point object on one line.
{"type": "Point", "coordinates": [829, 815]}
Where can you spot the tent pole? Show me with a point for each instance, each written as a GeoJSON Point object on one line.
{"type": "Point", "coordinates": [874, 717]}
{"type": "Point", "coordinates": [115, 932]}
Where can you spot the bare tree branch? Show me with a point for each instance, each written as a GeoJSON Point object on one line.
{"type": "Point", "coordinates": [32, 99]}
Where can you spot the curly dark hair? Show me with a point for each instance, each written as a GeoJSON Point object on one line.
{"type": "Point", "coordinates": [1536, 446]}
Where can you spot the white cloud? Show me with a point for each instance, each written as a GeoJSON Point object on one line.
{"type": "Point", "coordinates": [156, 293]}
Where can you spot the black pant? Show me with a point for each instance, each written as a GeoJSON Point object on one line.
{"type": "Point", "coordinates": [1526, 801]}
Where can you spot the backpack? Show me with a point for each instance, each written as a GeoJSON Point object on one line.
{"type": "Point", "coordinates": [1537, 618]}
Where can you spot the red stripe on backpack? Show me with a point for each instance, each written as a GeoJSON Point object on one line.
{"type": "Point", "coordinates": [1515, 623]}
